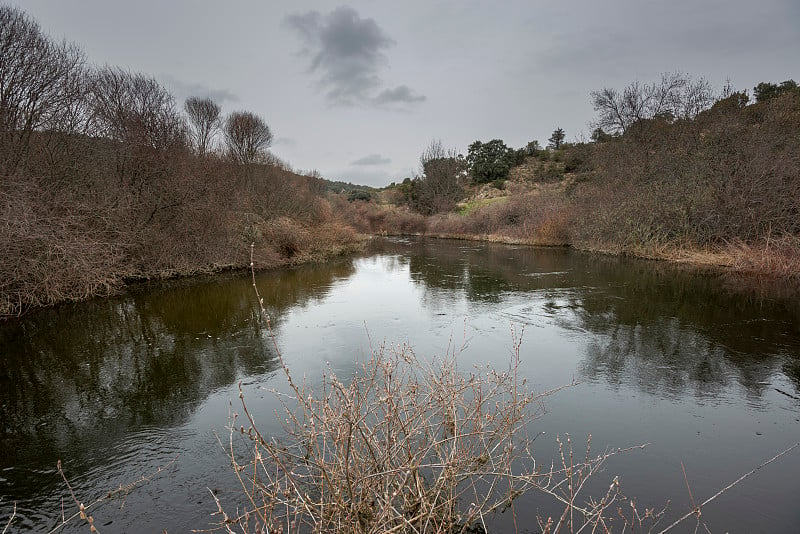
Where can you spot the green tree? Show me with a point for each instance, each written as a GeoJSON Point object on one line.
{"type": "Point", "coordinates": [490, 161]}
{"type": "Point", "coordinates": [557, 139]}
{"type": "Point", "coordinates": [533, 148]}
{"type": "Point", "coordinates": [766, 90]}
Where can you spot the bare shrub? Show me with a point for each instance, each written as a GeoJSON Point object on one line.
{"type": "Point", "coordinates": [286, 236]}
{"type": "Point", "coordinates": [541, 218]}
{"type": "Point", "coordinates": [50, 256]}
{"type": "Point", "coordinates": [729, 176]}
{"type": "Point", "coordinates": [403, 221]}
{"type": "Point", "coordinates": [407, 446]}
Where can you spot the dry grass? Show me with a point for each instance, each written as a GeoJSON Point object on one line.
{"type": "Point", "coordinates": [539, 218]}
{"type": "Point", "coordinates": [779, 258]}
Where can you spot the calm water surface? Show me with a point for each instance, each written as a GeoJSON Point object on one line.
{"type": "Point", "coordinates": [115, 388]}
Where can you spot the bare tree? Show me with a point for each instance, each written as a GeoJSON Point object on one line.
{"type": "Point", "coordinates": [40, 84]}
{"type": "Point", "coordinates": [204, 118]}
{"type": "Point", "coordinates": [134, 109]}
{"type": "Point", "coordinates": [676, 95]}
{"type": "Point", "coordinates": [247, 136]}
{"type": "Point", "coordinates": [439, 185]}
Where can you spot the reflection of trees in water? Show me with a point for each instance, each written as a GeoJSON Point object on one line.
{"type": "Point", "coordinates": [661, 358]}
{"type": "Point", "coordinates": [482, 272]}
{"type": "Point", "coordinates": [675, 332]}
{"type": "Point", "coordinates": [85, 374]}
{"type": "Point", "coordinates": [664, 327]}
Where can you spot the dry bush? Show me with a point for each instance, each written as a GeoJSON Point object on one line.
{"type": "Point", "coordinates": [541, 218]}
{"type": "Point", "coordinates": [408, 446]}
{"type": "Point", "coordinates": [728, 176]}
{"type": "Point", "coordinates": [52, 252]}
{"type": "Point", "coordinates": [404, 221]}
{"type": "Point", "coordinates": [372, 218]}
{"type": "Point", "coordinates": [286, 236]}
{"type": "Point", "coordinates": [779, 257]}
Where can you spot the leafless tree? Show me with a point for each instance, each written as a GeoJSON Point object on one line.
{"type": "Point", "coordinates": [676, 95]}
{"type": "Point", "coordinates": [439, 185]}
{"type": "Point", "coordinates": [40, 84]}
{"type": "Point", "coordinates": [247, 136]}
{"type": "Point", "coordinates": [134, 109]}
{"type": "Point", "coordinates": [204, 118]}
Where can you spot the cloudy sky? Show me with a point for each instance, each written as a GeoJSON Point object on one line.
{"type": "Point", "coordinates": [357, 90]}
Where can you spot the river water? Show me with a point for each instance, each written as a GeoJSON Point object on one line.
{"type": "Point", "coordinates": [706, 374]}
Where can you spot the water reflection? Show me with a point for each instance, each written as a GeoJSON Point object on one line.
{"type": "Point", "coordinates": [77, 380]}
{"type": "Point", "coordinates": [664, 328]}
{"type": "Point", "coordinates": [77, 377]}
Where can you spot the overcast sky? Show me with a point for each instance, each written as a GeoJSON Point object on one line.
{"type": "Point", "coordinates": [357, 90]}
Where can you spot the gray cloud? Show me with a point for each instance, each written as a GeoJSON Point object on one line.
{"type": "Point", "coordinates": [372, 159]}
{"type": "Point", "coordinates": [402, 94]}
{"type": "Point", "coordinates": [347, 52]}
{"type": "Point", "coordinates": [182, 90]}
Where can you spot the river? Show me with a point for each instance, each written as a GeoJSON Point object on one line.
{"type": "Point", "coordinates": [705, 373]}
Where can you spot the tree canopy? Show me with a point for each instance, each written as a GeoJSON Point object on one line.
{"type": "Point", "coordinates": [676, 95]}
{"type": "Point", "coordinates": [247, 136]}
{"type": "Point", "coordinates": [490, 161]}
{"type": "Point", "coordinates": [766, 90]}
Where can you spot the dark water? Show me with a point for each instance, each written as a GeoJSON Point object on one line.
{"type": "Point", "coordinates": [709, 376]}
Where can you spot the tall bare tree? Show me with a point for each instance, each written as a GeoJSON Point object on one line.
{"type": "Point", "coordinates": [676, 95]}
{"type": "Point", "coordinates": [204, 118]}
{"type": "Point", "coordinates": [40, 84]}
{"type": "Point", "coordinates": [134, 109]}
{"type": "Point", "coordinates": [247, 136]}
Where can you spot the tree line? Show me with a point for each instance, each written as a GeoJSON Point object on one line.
{"type": "Point", "coordinates": [48, 86]}
{"type": "Point", "coordinates": [444, 174]}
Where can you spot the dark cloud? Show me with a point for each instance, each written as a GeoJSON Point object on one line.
{"type": "Point", "coordinates": [347, 52]}
{"type": "Point", "coordinates": [372, 159]}
{"type": "Point", "coordinates": [182, 90]}
{"type": "Point", "coordinates": [402, 94]}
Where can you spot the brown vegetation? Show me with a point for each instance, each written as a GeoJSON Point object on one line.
{"type": "Point", "coordinates": [102, 181]}
{"type": "Point", "coordinates": [683, 179]}
{"type": "Point", "coordinates": [538, 218]}
{"type": "Point", "coordinates": [725, 182]}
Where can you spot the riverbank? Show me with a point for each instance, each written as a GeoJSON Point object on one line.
{"type": "Point", "coordinates": [775, 262]}
{"type": "Point", "coordinates": [296, 247]}
{"type": "Point", "coordinates": [117, 388]}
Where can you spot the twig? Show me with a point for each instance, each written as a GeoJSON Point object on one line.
{"type": "Point", "coordinates": [729, 486]}
{"type": "Point", "coordinates": [122, 489]}
{"type": "Point", "coordinates": [10, 519]}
